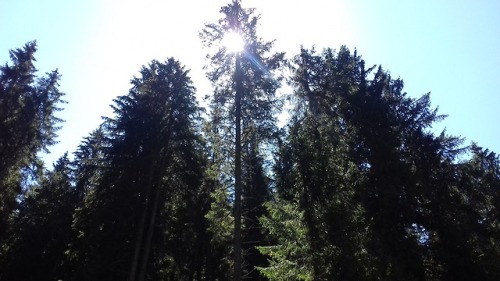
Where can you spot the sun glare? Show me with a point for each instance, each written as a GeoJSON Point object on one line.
{"type": "Point", "coordinates": [233, 42]}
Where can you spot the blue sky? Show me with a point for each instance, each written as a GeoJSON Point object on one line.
{"type": "Point", "coordinates": [448, 48]}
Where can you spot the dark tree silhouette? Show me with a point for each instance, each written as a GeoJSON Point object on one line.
{"type": "Point", "coordinates": [153, 168]}
{"type": "Point", "coordinates": [28, 125]}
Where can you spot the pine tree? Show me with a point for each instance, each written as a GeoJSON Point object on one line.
{"type": "Point", "coordinates": [242, 111]}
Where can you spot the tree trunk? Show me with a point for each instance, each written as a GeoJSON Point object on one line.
{"type": "Point", "coordinates": [237, 175]}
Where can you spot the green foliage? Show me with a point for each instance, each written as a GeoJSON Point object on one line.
{"type": "Point", "coordinates": [220, 217]}
{"type": "Point", "coordinates": [243, 109]}
{"type": "Point", "coordinates": [259, 74]}
{"type": "Point", "coordinates": [321, 175]}
{"type": "Point", "coordinates": [363, 189]}
{"type": "Point", "coordinates": [220, 222]}
{"type": "Point", "coordinates": [290, 259]}
{"type": "Point", "coordinates": [381, 196]}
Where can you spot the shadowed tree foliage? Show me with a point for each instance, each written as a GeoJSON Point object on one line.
{"type": "Point", "coordinates": [219, 218]}
{"type": "Point", "coordinates": [42, 228]}
{"type": "Point", "coordinates": [139, 203]}
{"type": "Point", "coordinates": [381, 196]}
{"type": "Point", "coordinates": [90, 161]}
{"type": "Point", "coordinates": [463, 230]}
{"type": "Point", "coordinates": [317, 174]}
{"type": "Point", "coordinates": [28, 125]}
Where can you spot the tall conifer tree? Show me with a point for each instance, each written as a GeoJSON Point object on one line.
{"type": "Point", "coordinates": [242, 112]}
{"type": "Point", "coordinates": [28, 124]}
{"type": "Point", "coordinates": [139, 211]}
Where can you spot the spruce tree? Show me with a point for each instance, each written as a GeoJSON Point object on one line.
{"type": "Point", "coordinates": [140, 208]}
{"type": "Point", "coordinates": [324, 181]}
{"type": "Point", "coordinates": [28, 125]}
{"type": "Point", "coordinates": [242, 111]}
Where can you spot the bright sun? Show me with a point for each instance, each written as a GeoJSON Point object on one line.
{"type": "Point", "coordinates": [233, 42]}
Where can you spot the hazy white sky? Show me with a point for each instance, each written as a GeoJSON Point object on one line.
{"type": "Point", "coordinates": [449, 48]}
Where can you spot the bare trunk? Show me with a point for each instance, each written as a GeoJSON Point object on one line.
{"type": "Point", "coordinates": [237, 175]}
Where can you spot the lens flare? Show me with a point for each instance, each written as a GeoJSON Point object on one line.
{"type": "Point", "coordinates": [233, 42]}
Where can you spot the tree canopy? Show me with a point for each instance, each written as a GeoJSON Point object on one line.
{"type": "Point", "coordinates": [357, 185]}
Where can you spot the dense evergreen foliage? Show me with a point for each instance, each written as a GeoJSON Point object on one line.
{"type": "Point", "coordinates": [377, 193]}
{"type": "Point", "coordinates": [28, 126]}
{"type": "Point", "coordinates": [42, 228]}
{"type": "Point", "coordinates": [356, 186]}
{"type": "Point", "coordinates": [149, 178]}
